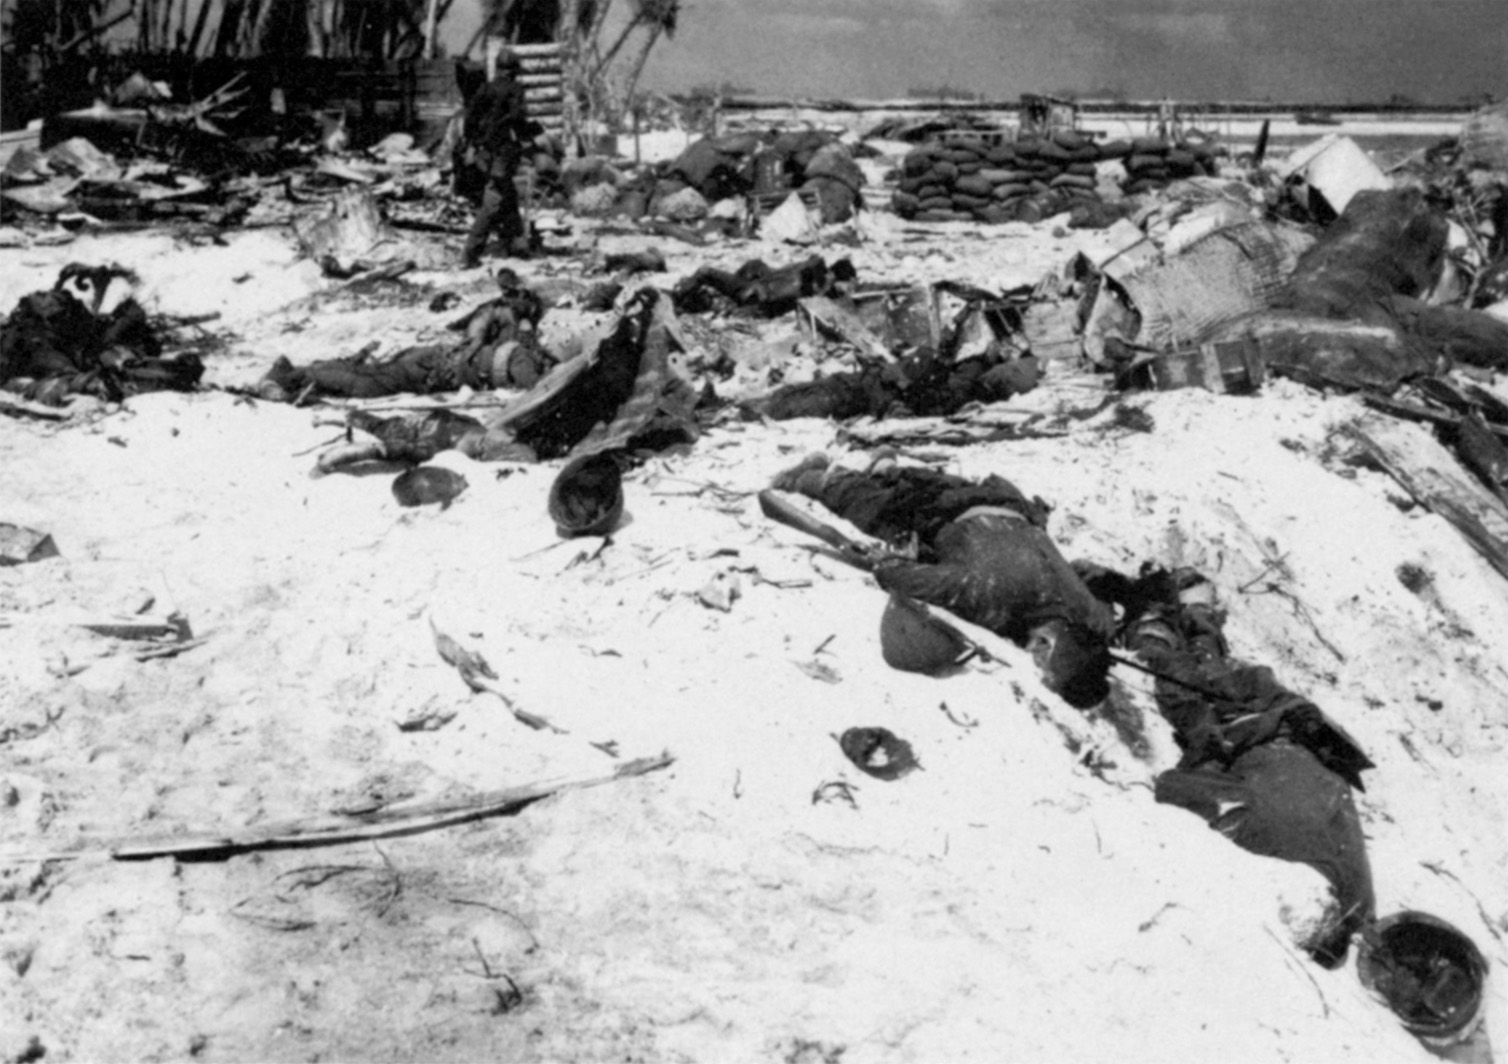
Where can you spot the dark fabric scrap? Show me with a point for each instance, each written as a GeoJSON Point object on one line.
{"type": "Point", "coordinates": [626, 397]}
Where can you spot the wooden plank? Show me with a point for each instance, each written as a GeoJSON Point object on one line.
{"type": "Point", "coordinates": [1415, 412]}
{"type": "Point", "coordinates": [1431, 474]}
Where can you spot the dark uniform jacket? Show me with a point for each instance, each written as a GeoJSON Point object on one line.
{"type": "Point", "coordinates": [497, 125]}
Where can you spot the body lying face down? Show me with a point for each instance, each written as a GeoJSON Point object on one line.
{"type": "Point", "coordinates": [983, 553]}
{"type": "Point", "coordinates": [1262, 764]}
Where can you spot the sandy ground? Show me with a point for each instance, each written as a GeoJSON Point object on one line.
{"type": "Point", "coordinates": [1014, 900]}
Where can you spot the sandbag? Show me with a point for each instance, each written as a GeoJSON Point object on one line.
{"type": "Point", "coordinates": [974, 185]}
{"type": "Point", "coordinates": [916, 163]}
{"type": "Point", "coordinates": [1010, 192]}
{"type": "Point", "coordinates": [964, 201]}
{"type": "Point", "coordinates": [1005, 177]}
{"type": "Point", "coordinates": [1046, 149]}
{"type": "Point", "coordinates": [699, 162]}
{"type": "Point", "coordinates": [1180, 158]}
{"type": "Point", "coordinates": [834, 162]}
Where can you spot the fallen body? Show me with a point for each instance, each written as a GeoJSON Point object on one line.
{"type": "Point", "coordinates": [55, 345]}
{"type": "Point", "coordinates": [1261, 764]}
{"type": "Point", "coordinates": [981, 551]}
{"type": "Point", "coordinates": [499, 348]}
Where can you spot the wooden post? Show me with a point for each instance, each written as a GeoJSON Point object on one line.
{"type": "Point", "coordinates": [429, 30]}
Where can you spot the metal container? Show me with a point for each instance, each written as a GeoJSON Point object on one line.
{"type": "Point", "coordinates": [1231, 366]}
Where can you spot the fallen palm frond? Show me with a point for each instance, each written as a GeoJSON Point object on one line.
{"type": "Point", "coordinates": [333, 830]}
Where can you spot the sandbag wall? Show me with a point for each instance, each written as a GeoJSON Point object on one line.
{"type": "Point", "coordinates": [1028, 180]}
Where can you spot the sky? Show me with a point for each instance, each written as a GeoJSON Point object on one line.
{"type": "Point", "coordinates": [1320, 51]}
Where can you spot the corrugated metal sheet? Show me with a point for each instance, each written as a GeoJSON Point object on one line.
{"type": "Point", "coordinates": [1226, 275]}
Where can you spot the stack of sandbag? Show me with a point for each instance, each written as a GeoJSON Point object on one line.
{"type": "Point", "coordinates": [1029, 180]}
{"type": "Point", "coordinates": [1152, 162]}
{"type": "Point", "coordinates": [966, 179]}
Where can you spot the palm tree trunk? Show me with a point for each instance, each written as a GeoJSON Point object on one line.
{"type": "Point", "coordinates": [594, 31]}
{"type": "Point", "coordinates": [651, 35]}
{"type": "Point", "coordinates": [607, 57]}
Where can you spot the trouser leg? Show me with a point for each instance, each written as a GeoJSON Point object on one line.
{"type": "Point", "coordinates": [486, 219]}
{"type": "Point", "coordinates": [510, 222]}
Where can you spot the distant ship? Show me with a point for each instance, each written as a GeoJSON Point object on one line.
{"type": "Point", "coordinates": [1315, 118]}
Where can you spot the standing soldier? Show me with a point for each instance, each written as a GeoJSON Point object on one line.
{"type": "Point", "coordinates": [497, 126]}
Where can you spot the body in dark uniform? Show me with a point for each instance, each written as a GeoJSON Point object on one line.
{"type": "Point", "coordinates": [497, 126]}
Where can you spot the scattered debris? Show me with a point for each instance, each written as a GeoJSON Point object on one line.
{"type": "Point", "coordinates": [878, 752]}
{"type": "Point", "coordinates": [424, 485]}
{"type": "Point", "coordinates": [19, 546]}
{"type": "Point", "coordinates": [720, 592]}
{"type": "Point", "coordinates": [586, 498]}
